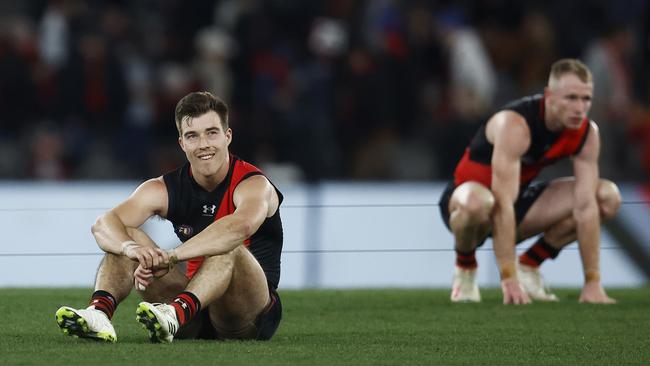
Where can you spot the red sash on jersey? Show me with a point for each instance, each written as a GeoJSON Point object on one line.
{"type": "Point", "coordinates": [569, 143]}
{"type": "Point", "coordinates": [240, 169]}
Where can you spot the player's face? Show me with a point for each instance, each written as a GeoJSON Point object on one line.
{"type": "Point", "coordinates": [205, 143]}
{"type": "Point", "coordinates": [570, 100]}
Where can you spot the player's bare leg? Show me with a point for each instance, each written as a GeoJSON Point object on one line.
{"type": "Point", "coordinates": [161, 291]}
{"type": "Point", "coordinates": [557, 201]}
{"type": "Point", "coordinates": [552, 215]}
{"type": "Point", "coordinates": [113, 283]}
{"type": "Point", "coordinates": [233, 287]}
{"type": "Point", "coordinates": [236, 289]}
{"type": "Point", "coordinates": [470, 207]}
{"type": "Point", "coordinates": [547, 246]}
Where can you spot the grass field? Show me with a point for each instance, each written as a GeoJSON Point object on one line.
{"type": "Point", "coordinates": [361, 327]}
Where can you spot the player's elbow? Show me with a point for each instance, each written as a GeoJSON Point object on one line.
{"type": "Point", "coordinates": [97, 229]}
{"type": "Point", "coordinates": [246, 228]}
{"type": "Point", "coordinates": [240, 228]}
{"type": "Point", "coordinates": [97, 226]}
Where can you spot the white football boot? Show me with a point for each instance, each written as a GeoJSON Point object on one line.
{"type": "Point", "coordinates": [85, 323]}
{"type": "Point", "coordinates": [159, 320]}
{"type": "Point", "coordinates": [532, 281]}
{"type": "Point", "coordinates": [464, 287]}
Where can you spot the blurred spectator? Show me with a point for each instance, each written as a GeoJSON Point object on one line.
{"type": "Point", "coordinates": [608, 57]}
{"type": "Point", "coordinates": [215, 48]}
{"type": "Point", "coordinates": [17, 90]}
{"type": "Point", "coordinates": [47, 154]}
{"type": "Point", "coordinates": [472, 76]}
{"type": "Point", "coordinates": [94, 85]}
{"type": "Point", "coordinates": [54, 36]}
{"type": "Point", "coordinates": [469, 91]}
{"type": "Point", "coordinates": [309, 137]}
{"type": "Point", "coordinates": [342, 89]}
{"type": "Point", "coordinates": [538, 53]}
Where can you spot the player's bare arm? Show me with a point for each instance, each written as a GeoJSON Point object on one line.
{"type": "Point", "coordinates": [509, 134]}
{"type": "Point", "coordinates": [110, 229]}
{"type": "Point", "coordinates": [255, 199]}
{"type": "Point", "coordinates": [587, 217]}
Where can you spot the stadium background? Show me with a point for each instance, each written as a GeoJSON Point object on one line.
{"type": "Point", "coordinates": [358, 110]}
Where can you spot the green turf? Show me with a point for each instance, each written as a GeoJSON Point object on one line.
{"type": "Point", "coordinates": [365, 327]}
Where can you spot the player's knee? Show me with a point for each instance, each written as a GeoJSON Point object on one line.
{"type": "Point", "coordinates": [223, 261]}
{"type": "Point", "coordinates": [609, 198]}
{"type": "Point", "coordinates": [477, 205]}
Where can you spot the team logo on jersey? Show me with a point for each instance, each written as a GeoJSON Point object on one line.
{"type": "Point", "coordinates": [185, 230]}
{"type": "Point", "coordinates": [208, 210]}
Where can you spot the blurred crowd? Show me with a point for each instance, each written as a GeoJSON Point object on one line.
{"type": "Point", "coordinates": [338, 89]}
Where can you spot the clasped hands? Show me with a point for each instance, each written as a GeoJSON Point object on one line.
{"type": "Point", "coordinates": [153, 262]}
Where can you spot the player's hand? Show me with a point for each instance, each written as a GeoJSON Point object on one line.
{"type": "Point", "coordinates": [142, 277]}
{"type": "Point", "coordinates": [148, 257]}
{"type": "Point", "coordinates": [593, 293]}
{"type": "Point", "coordinates": [513, 293]}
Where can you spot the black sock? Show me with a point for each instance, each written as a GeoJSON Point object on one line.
{"type": "Point", "coordinates": [466, 260]}
{"type": "Point", "coordinates": [538, 253]}
{"type": "Point", "coordinates": [103, 301]}
{"type": "Point", "coordinates": [186, 305]}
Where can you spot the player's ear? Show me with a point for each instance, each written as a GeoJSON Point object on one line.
{"type": "Point", "coordinates": [180, 142]}
{"type": "Point", "coordinates": [229, 135]}
{"type": "Point", "coordinates": [547, 92]}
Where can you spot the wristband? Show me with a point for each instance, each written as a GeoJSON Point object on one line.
{"type": "Point", "coordinates": [173, 259]}
{"type": "Point", "coordinates": [507, 271]}
{"type": "Point", "coordinates": [126, 244]}
{"type": "Point", "coordinates": [592, 276]}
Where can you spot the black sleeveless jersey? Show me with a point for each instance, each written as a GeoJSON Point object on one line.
{"type": "Point", "coordinates": [546, 147]}
{"type": "Point", "coordinates": [191, 209]}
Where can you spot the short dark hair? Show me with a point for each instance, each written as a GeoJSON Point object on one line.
{"type": "Point", "coordinates": [197, 104]}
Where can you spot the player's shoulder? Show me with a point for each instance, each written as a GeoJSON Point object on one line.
{"type": "Point", "coordinates": [151, 187]}
{"type": "Point", "coordinates": [508, 129]}
{"type": "Point", "coordinates": [509, 122]}
{"type": "Point", "coordinates": [591, 135]}
{"type": "Point", "coordinates": [150, 196]}
{"type": "Point", "coordinates": [154, 183]}
{"type": "Point", "coordinates": [255, 181]}
{"type": "Point", "coordinates": [528, 102]}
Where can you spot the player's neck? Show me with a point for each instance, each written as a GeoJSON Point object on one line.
{"type": "Point", "coordinates": [552, 124]}
{"type": "Point", "coordinates": [551, 121]}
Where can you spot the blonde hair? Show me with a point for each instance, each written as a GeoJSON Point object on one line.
{"type": "Point", "coordinates": [569, 66]}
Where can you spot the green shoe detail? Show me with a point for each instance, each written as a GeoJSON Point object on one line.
{"type": "Point", "coordinates": [73, 324]}
{"type": "Point", "coordinates": [150, 318]}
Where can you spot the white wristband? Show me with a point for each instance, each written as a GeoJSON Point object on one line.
{"type": "Point", "coordinates": [125, 245]}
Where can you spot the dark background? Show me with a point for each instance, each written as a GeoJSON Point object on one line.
{"type": "Point", "coordinates": [318, 90]}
